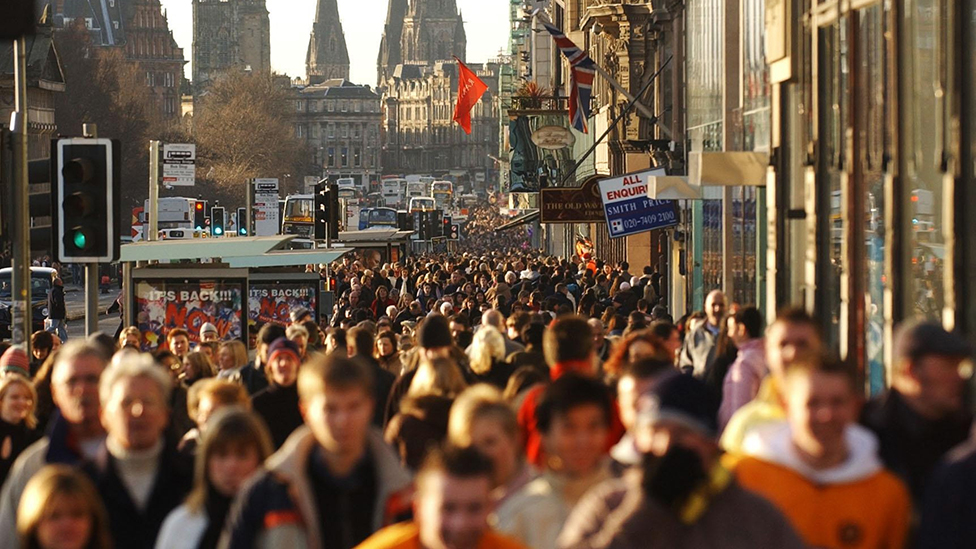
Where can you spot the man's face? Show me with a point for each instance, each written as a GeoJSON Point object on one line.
{"type": "Point", "coordinates": [659, 437]}
{"type": "Point", "coordinates": [457, 329]}
{"type": "Point", "coordinates": [596, 331]}
{"type": "Point", "coordinates": [385, 346]}
{"type": "Point", "coordinates": [339, 418]}
{"type": "Point", "coordinates": [209, 336]}
{"type": "Point", "coordinates": [578, 439]}
{"type": "Point", "coordinates": [354, 298]}
{"type": "Point", "coordinates": [179, 345]}
{"type": "Point", "coordinates": [135, 413]}
{"type": "Point", "coordinates": [788, 343]}
{"type": "Point", "coordinates": [819, 407]}
{"type": "Point", "coordinates": [284, 369]}
{"type": "Point", "coordinates": [452, 512]}
{"type": "Point", "coordinates": [941, 382]}
{"type": "Point", "coordinates": [513, 332]}
{"type": "Point", "coordinates": [74, 388]}
{"type": "Point", "coordinates": [715, 307]}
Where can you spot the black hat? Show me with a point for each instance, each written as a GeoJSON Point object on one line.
{"type": "Point", "coordinates": [683, 399]}
{"type": "Point", "coordinates": [917, 338]}
{"type": "Point", "coordinates": [435, 332]}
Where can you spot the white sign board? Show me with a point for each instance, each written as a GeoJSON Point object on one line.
{"type": "Point", "coordinates": [628, 209]}
{"type": "Point", "coordinates": [179, 164]}
{"type": "Point", "coordinates": [266, 207]}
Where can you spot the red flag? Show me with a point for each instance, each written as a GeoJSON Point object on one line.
{"type": "Point", "coordinates": [470, 90]}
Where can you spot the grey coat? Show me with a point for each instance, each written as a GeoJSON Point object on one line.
{"type": "Point", "coordinates": [698, 352]}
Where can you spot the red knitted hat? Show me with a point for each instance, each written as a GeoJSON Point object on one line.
{"type": "Point", "coordinates": [15, 360]}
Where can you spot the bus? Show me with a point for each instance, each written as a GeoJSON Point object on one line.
{"type": "Point", "coordinates": [298, 217]}
{"type": "Point", "coordinates": [421, 204]}
{"type": "Point", "coordinates": [443, 194]}
{"type": "Point", "coordinates": [468, 202]}
{"type": "Point", "coordinates": [392, 190]}
{"type": "Point", "coordinates": [173, 212]}
{"type": "Point", "coordinates": [416, 189]}
{"type": "Point", "coordinates": [372, 218]}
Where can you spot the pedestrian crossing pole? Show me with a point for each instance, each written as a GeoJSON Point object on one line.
{"type": "Point", "coordinates": [91, 269]}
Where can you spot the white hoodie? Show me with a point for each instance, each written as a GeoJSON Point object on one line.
{"type": "Point", "coordinates": [774, 443]}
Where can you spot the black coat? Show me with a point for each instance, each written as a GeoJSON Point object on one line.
{"type": "Point", "coordinates": [279, 408]}
{"type": "Point", "coordinates": [55, 303]}
{"type": "Point", "coordinates": [131, 527]}
{"type": "Point", "coordinates": [13, 440]}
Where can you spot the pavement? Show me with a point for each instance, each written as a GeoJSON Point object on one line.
{"type": "Point", "coordinates": [74, 301]}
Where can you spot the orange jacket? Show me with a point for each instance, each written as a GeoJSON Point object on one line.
{"type": "Point", "coordinates": [870, 510]}
{"type": "Point", "coordinates": [406, 536]}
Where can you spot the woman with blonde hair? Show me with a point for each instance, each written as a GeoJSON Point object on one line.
{"type": "Point", "coordinates": [421, 422]}
{"type": "Point", "coordinates": [481, 418]}
{"type": "Point", "coordinates": [203, 400]}
{"type": "Point", "coordinates": [196, 366]}
{"type": "Point", "coordinates": [18, 425]}
{"type": "Point", "coordinates": [60, 509]}
{"type": "Point", "coordinates": [233, 447]}
{"type": "Point", "coordinates": [487, 356]}
{"type": "Point", "coordinates": [231, 359]}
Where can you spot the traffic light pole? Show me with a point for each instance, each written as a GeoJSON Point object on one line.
{"type": "Point", "coordinates": [154, 148]}
{"type": "Point", "coordinates": [91, 269]}
{"type": "Point", "coordinates": [20, 310]}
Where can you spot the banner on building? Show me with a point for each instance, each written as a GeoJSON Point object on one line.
{"type": "Point", "coordinates": [627, 208]}
{"type": "Point", "coordinates": [273, 301]}
{"type": "Point", "coordinates": [163, 305]}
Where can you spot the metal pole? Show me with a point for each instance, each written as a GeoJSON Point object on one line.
{"type": "Point", "coordinates": [91, 269]}
{"type": "Point", "coordinates": [154, 147]}
{"type": "Point", "coordinates": [20, 325]}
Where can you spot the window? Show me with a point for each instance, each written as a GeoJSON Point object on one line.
{"type": "Point", "coordinates": [331, 130]}
{"type": "Point", "coordinates": [356, 156]}
{"type": "Point", "coordinates": [298, 105]}
{"type": "Point", "coordinates": [356, 131]}
{"type": "Point", "coordinates": [330, 105]}
{"type": "Point", "coordinates": [115, 25]}
{"type": "Point", "coordinates": [345, 157]}
{"type": "Point", "coordinates": [358, 106]}
{"type": "Point", "coordinates": [298, 130]}
{"type": "Point", "coordinates": [315, 131]}
{"type": "Point", "coordinates": [345, 106]}
{"type": "Point", "coordinates": [314, 105]}
{"type": "Point", "coordinates": [111, 4]}
{"type": "Point", "coordinates": [332, 159]}
{"type": "Point", "coordinates": [345, 130]}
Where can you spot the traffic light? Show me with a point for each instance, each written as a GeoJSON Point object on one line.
{"type": "Point", "coordinates": [86, 194]}
{"type": "Point", "coordinates": [455, 231]}
{"type": "Point", "coordinates": [39, 177]}
{"type": "Point", "coordinates": [242, 221]}
{"type": "Point", "coordinates": [326, 210]}
{"type": "Point", "coordinates": [18, 20]}
{"type": "Point", "coordinates": [446, 226]}
{"type": "Point", "coordinates": [217, 221]}
{"type": "Point", "coordinates": [199, 216]}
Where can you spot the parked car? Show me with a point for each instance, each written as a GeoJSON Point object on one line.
{"type": "Point", "coordinates": [41, 282]}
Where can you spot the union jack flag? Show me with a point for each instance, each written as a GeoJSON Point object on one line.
{"type": "Point", "coordinates": [582, 70]}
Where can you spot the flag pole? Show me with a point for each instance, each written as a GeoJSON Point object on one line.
{"type": "Point", "coordinates": [616, 85]}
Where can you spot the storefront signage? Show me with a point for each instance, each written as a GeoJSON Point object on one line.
{"type": "Point", "coordinates": [572, 204]}
{"type": "Point", "coordinates": [266, 207]}
{"type": "Point", "coordinates": [273, 301]}
{"type": "Point", "coordinates": [628, 210]}
{"type": "Point", "coordinates": [162, 305]}
{"type": "Point", "coordinates": [553, 138]}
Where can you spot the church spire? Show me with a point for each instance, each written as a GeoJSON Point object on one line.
{"type": "Point", "coordinates": [327, 55]}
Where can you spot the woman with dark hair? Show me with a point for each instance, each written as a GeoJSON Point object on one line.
{"type": "Point", "coordinates": [381, 302]}
{"type": "Point", "coordinates": [386, 352]}
{"type": "Point", "coordinates": [616, 326]}
{"type": "Point", "coordinates": [234, 445]}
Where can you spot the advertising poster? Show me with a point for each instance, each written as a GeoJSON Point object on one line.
{"type": "Point", "coordinates": [162, 305]}
{"type": "Point", "coordinates": [627, 208]}
{"type": "Point", "coordinates": [272, 301]}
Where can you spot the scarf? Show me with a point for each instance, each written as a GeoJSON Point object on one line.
{"type": "Point", "coordinates": [217, 507]}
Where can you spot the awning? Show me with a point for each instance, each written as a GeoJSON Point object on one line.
{"type": "Point", "coordinates": [374, 235]}
{"type": "Point", "coordinates": [200, 248]}
{"type": "Point", "coordinates": [728, 168]}
{"type": "Point", "coordinates": [672, 188]}
{"type": "Point", "coordinates": [520, 220]}
{"type": "Point", "coordinates": [288, 258]}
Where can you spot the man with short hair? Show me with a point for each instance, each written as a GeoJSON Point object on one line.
{"type": "Point", "coordinates": [74, 433]}
{"type": "Point", "coordinates": [923, 415]}
{"type": "Point", "coordinates": [359, 344]}
{"type": "Point", "coordinates": [178, 342]}
{"type": "Point", "coordinates": [821, 469]}
{"type": "Point", "coordinates": [461, 330]}
{"type": "Point", "coordinates": [698, 353]}
{"type": "Point", "coordinates": [670, 335]}
{"type": "Point", "coordinates": [139, 475]}
{"type": "Point", "coordinates": [792, 339]}
{"type": "Point", "coordinates": [681, 495]}
{"type": "Point", "coordinates": [601, 345]}
{"type": "Point", "coordinates": [451, 507]}
{"type": "Point", "coordinates": [335, 481]}
{"type": "Point", "coordinates": [741, 383]}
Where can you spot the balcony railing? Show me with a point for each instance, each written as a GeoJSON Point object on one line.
{"type": "Point", "coordinates": [528, 105]}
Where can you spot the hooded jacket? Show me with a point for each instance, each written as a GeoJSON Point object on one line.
{"type": "Point", "coordinates": [277, 507]}
{"type": "Point", "coordinates": [856, 504]}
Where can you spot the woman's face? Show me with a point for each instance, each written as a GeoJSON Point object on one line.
{"type": "Point", "coordinates": [229, 468]}
{"type": "Point", "coordinates": [67, 524]}
{"type": "Point", "coordinates": [489, 438]}
{"type": "Point", "coordinates": [384, 346]}
{"type": "Point", "coordinates": [16, 404]}
{"type": "Point", "coordinates": [381, 292]}
{"type": "Point", "coordinates": [225, 359]}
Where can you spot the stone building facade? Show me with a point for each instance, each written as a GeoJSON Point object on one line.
{"type": "Point", "coordinates": [229, 35]}
{"type": "Point", "coordinates": [420, 33]}
{"type": "Point", "coordinates": [340, 121]}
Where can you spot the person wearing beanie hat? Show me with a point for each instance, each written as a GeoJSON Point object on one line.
{"type": "Point", "coordinates": [278, 403]}
{"type": "Point", "coordinates": [208, 333]}
{"type": "Point", "coordinates": [14, 361]}
{"type": "Point", "coordinates": [625, 299]}
{"type": "Point", "coordinates": [681, 491]}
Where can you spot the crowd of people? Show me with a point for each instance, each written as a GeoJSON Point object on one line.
{"type": "Point", "coordinates": [500, 399]}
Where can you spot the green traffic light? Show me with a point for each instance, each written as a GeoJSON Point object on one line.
{"type": "Point", "coordinates": [80, 240]}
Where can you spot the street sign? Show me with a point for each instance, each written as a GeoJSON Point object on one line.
{"type": "Point", "coordinates": [266, 207]}
{"type": "Point", "coordinates": [628, 210]}
{"type": "Point", "coordinates": [179, 164]}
